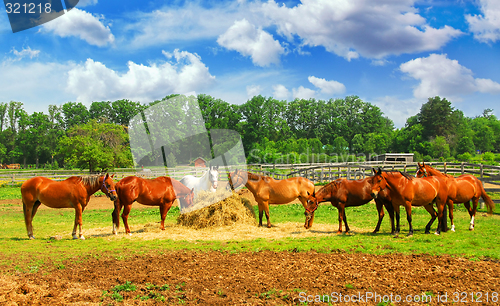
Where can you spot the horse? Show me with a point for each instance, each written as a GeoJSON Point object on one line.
{"type": "Point", "coordinates": [266, 190]}
{"type": "Point", "coordinates": [409, 191]}
{"type": "Point", "coordinates": [161, 191]}
{"type": "Point", "coordinates": [461, 189]}
{"type": "Point", "coordinates": [208, 181]}
{"type": "Point", "coordinates": [344, 193]}
{"type": "Point", "coordinates": [73, 192]}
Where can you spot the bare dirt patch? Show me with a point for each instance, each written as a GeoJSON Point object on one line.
{"type": "Point", "coordinates": [261, 278]}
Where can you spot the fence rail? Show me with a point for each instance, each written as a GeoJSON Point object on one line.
{"type": "Point", "coordinates": [317, 173]}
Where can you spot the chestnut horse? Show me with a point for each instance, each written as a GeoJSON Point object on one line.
{"type": "Point", "coordinates": [161, 191]}
{"type": "Point", "coordinates": [344, 193]}
{"type": "Point", "coordinates": [409, 191]}
{"type": "Point", "coordinates": [73, 192]}
{"type": "Point", "coordinates": [267, 190]}
{"type": "Point", "coordinates": [461, 189]}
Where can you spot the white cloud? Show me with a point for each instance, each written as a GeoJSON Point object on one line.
{"type": "Point", "coordinates": [486, 27]}
{"type": "Point", "coordinates": [280, 92]}
{"type": "Point", "coordinates": [372, 29]}
{"type": "Point", "coordinates": [327, 87]}
{"type": "Point", "coordinates": [25, 52]}
{"type": "Point", "coordinates": [34, 84]}
{"type": "Point", "coordinates": [188, 22]}
{"type": "Point", "coordinates": [246, 39]}
{"type": "Point", "coordinates": [83, 25]}
{"type": "Point", "coordinates": [398, 110]}
{"type": "Point", "coordinates": [253, 90]}
{"type": "Point", "coordinates": [303, 93]}
{"type": "Point", "coordinates": [83, 3]}
{"type": "Point", "coordinates": [93, 81]}
{"type": "Point", "coordinates": [440, 76]}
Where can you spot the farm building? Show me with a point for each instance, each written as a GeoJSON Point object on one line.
{"type": "Point", "coordinates": [394, 157]}
{"type": "Point", "coordinates": [200, 162]}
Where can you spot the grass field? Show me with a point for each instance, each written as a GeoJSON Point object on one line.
{"type": "Point", "coordinates": [21, 254]}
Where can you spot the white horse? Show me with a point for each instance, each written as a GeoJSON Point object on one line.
{"type": "Point", "coordinates": [208, 181]}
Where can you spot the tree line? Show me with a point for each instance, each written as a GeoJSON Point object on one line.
{"type": "Point", "coordinates": [303, 130]}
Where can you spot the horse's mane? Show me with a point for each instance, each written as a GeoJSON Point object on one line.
{"type": "Point", "coordinates": [405, 174]}
{"type": "Point", "coordinates": [254, 177]}
{"type": "Point", "coordinates": [90, 180]}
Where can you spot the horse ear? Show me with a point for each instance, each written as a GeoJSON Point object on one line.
{"type": "Point", "coordinates": [374, 171]}
{"type": "Point", "coordinates": [112, 175]}
{"type": "Point", "coordinates": [379, 172]}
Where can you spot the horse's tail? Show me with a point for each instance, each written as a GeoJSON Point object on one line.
{"type": "Point", "coordinates": [486, 198]}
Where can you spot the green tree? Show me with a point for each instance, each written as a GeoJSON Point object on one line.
{"type": "Point", "coordinates": [75, 114]}
{"type": "Point", "coordinates": [124, 110]}
{"type": "Point", "coordinates": [96, 146]}
{"type": "Point", "coordinates": [440, 148]}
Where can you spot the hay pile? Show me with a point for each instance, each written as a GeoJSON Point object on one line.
{"type": "Point", "coordinates": [224, 211]}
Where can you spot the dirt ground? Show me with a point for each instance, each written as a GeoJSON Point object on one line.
{"type": "Point", "coordinates": [261, 278]}
{"type": "Point", "coordinates": [255, 278]}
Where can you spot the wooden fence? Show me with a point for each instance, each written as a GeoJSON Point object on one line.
{"type": "Point", "coordinates": [317, 173]}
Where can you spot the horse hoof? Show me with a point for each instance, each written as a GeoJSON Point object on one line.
{"type": "Point", "coordinates": [437, 233]}
{"type": "Point", "coordinates": [130, 234]}
{"type": "Point", "coordinates": [427, 232]}
{"type": "Point", "coordinates": [31, 237]}
{"type": "Point", "coordinates": [409, 235]}
{"type": "Point", "coordinates": [453, 228]}
{"type": "Point", "coordinates": [75, 237]}
{"type": "Point", "coordinates": [82, 238]}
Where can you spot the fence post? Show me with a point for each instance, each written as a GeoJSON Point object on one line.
{"type": "Point", "coordinates": [482, 171]}
{"type": "Point", "coordinates": [445, 168]}
{"type": "Point", "coordinates": [13, 179]}
{"type": "Point", "coordinates": [321, 175]}
{"type": "Point", "coordinates": [462, 168]}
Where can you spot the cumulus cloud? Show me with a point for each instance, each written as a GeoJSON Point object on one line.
{"type": "Point", "coordinates": [93, 81]}
{"type": "Point", "coordinates": [486, 27]}
{"type": "Point", "coordinates": [280, 92]}
{"type": "Point", "coordinates": [33, 83]}
{"type": "Point", "coordinates": [303, 93]}
{"type": "Point", "coordinates": [253, 90]}
{"type": "Point", "coordinates": [398, 110]}
{"type": "Point", "coordinates": [190, 21]}
{"type": "Point", "coordinates": [83, 25]}
{"type": "Point", "coordinates": [327, 87]}
{"type": "Point", "coordinates": [248, 40]}
{"type": "Point", "coordinates": [440, 76]}
{"type": "Point", "coordinates": [358, 27]}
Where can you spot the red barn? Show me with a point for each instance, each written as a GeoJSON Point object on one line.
{"type": "Point", "coordinates": [200, 162]}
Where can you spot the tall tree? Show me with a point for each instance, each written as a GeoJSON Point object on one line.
{"type": "Point", "coordinates": [75, 114]}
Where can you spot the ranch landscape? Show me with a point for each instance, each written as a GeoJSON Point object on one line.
{"type": "Point", "coordinates": [242, 263]}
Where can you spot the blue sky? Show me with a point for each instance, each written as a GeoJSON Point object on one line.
{"type": "Point", "coordinates": [392, 53]}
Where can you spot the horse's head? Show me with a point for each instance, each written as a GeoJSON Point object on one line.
{"type": "Point", "coordinates": [378, 182]}
{"type": "Point", "coordinates": [213, 175]}
{"type": "Point", "coordinates": [236, 179]}
{"type": "Point", "coordinates": [108, 187]}
{"type": "Point", "coordinates": [311, 205]}
{"type": "Point", "coordinates": [422, 170]}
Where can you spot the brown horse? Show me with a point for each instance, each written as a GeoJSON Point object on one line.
{"type": "Point", "coordinates": [461, 189]}
{"type": "Point", "coordinates": [161, 191]}
{"type": "Point", "coordinates": [73, 192]}
{"type": "Point", "coordinates": [344, 193]}
{"type": "Point", "coordinates": [267, 190]}
{"type": "Point", "coordinates": [409, 191]}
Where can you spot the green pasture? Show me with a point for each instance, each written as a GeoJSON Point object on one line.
{"type": "Point", "coordinates": [20, 254]}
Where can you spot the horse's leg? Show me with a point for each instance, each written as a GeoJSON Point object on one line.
{"type": "Point", "coordinates": [261, 212]}
{"type": "Point", "coordinates": [347, 229]}
{"type": "Point", "coordinates": [164, 208]}
{"type": "Point", "coordinates": [78, 222]}
{"type": "Point", "coordinates": [380, 210]}
{"type": "Point", "coordinates": [28, 209]}
{"type": "Point", "coordinates": [473, 213]}
{"type": "Point", "coordinates": [433, 214]}
{"type": "Point", "coordinates": [409, 219]}
{"type": "Point", "coordinates": [340, 209]}
{"type": "Point", "coordinates": [266, 210]}
{"type": "Point", "coordinates": [390, 210]}
{"type": "Point", "coordinates": [450, 213]}
{"type": "Point", "coordinates": [398, 218]}
{"type": "Point", "coordinates": [116, 216]}
{"type": "Point", "coordinates": [126, 211]}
